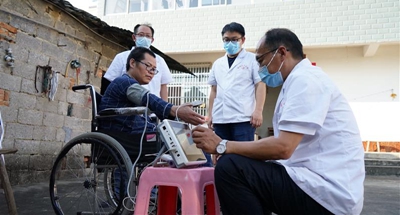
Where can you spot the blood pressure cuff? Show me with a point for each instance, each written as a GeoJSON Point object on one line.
{"type": "Point", "coordinates": [135, 93]}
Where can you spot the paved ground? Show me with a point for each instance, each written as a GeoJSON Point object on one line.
{"type": "Point", "coordinates": [382, 197]}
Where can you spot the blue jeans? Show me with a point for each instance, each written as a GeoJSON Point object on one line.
{"type": "Point", "coordinates": [209, 160]}
{"type": "Point", "coordinates": [241, 131]}
{"type": "Point", "coordinates": [117, 181]}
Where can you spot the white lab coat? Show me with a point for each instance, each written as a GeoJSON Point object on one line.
{"type": "Point", "coordinates": [328, 164]}
{"type": "Point", "coordinates": [235, 99]}
{"type": "Point", "coordinates": [118, 68]}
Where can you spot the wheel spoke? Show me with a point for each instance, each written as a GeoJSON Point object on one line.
{"type": "Point", "coordinates": [82, 186]}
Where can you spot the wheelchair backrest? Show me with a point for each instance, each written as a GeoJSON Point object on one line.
{"type": "Point", "coordinates": [96, 99]}
{"type": "Point", "coordinates": [1, 130]}
{"type": "Point", "coordinates": [109, 112]}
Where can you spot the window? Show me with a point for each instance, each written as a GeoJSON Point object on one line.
{"type": "Point", "coordinates": [162, 4]}
{"type": "Point", "coordinates": [186, 3]}
{"type": "Point", "coordinates": [214, 2]}
{"type": "Point", "coordinates": [138, 5]}
{"type": "Point", "coordinates": [238, 2]}
{"type": "Point", "coordinates": [187, 88]}
{"type": "Point", "coordinates": [115, 6]}
{"type": "Point", "coordinates": [122, 6]}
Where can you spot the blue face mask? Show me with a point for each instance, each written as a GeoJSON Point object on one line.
{"type": "Point", "coordinates": [143, 42]}
{"type": "Point", "coordinates": [232, 48]}
{"type": "Point", "coordinates": [271, 80]}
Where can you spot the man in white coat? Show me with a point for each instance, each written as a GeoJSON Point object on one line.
{"type": "Point", "coordinates": [237, 93]}
{"type": "Point", "coordinates": [314, 163]}
{"type": "Point", "coordinates": [143, 35]}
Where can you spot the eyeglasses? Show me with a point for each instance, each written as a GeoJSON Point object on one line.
{"type": "Point", "coordinates": [149, 36]}
{"type": "Point", "coordinates": [227, 40]}
{"type": "Point", "coordinates": [150, 69]}
{"type": "Point", "coordinates": [261, 57]}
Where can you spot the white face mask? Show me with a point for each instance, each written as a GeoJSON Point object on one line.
{"type": "Point", "coordinates": [143, 42]}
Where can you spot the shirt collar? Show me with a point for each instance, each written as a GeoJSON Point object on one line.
{"type": "Point", "coordinates": [241, 54]}
{"type": "Point", "coordinates": [302, 63]}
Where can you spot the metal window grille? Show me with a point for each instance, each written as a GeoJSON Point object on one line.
{"type": "Point", "coordinates": [187, 88]}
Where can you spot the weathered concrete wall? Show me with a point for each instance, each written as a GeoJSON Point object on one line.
{"type": "Point", "coordinates": [40, 34]}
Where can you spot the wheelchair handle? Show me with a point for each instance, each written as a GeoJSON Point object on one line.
{"type": "Point", "coordinates": [81, 87]}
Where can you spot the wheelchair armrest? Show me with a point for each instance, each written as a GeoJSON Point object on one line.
{"type": "Point", "coordinates": [109, 112]}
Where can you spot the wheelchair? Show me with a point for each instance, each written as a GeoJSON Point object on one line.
{"type": "Point", "coordinates": [82, 179]}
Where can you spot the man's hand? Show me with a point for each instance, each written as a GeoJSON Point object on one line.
{"type": "Point", "coordinates": [256, 119]}
{"type": "Point", "coordinates": [186, 113]}
{"type": "Point", "coordinates": [205, 139]}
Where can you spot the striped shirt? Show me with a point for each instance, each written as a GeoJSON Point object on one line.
{"type": "Point", "coordinates": [116, 97]}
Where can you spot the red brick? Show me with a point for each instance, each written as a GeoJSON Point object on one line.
{"type": "Point", "coordinates": [8, 27]}
{"type": "Point", "coordinates": [6, 96]}
{"type": "Point", "coordinates": [2, 95]}
{"type": "Point", "coordinates": [4, 103]}
{"type": "Point", "coordinates": [384, 146]}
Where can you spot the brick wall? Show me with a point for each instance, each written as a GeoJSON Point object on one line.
{"type": "Point", "coordinates": [316, 22]}
{"type": "Point", "coordinates": [7, 32]}
{"type": "Point", "coordinates": [381, 146]}
{"type": "Point", "coordinates": [39, 35]}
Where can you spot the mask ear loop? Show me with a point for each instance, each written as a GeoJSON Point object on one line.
{"type": "Point", "coordinates": [281, 65]}
{"type": "Point", "coordinates": [282, 62]}
{"type": "Point", "coordinates": [273, 56]}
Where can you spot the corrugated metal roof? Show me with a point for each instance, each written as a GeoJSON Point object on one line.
{"type": "Point", "coordinates": [120, 36]}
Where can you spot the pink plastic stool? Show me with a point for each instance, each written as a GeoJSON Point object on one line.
{"type": "Point", "coordinates": [191, 183]}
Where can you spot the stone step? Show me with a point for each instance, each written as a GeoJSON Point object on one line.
{"type": "Point", "coordinates": [382, 170]}
{"type": "Point", "coordinates": [382, 155]}
{"type": "Point", "coordinates": [381, 162]}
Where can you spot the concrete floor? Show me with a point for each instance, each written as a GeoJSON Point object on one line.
{"type": "Point", "coordinates": [382, 197]}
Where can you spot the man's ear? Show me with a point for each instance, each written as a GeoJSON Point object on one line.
{"type": "Point", "coordinates": [134, 37]}
{"type": "Point", "coordinates": [132, 62]}
{"type": "Point", "coordinates": [243, 39]}
{"type": "Point", "coordinates": [282, 51]}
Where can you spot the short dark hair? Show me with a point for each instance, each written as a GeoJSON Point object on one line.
{"type": "Point", "coordinates": [284, 37]}
{"type": "Point", "coordinates": [135, 29]}
{"type": "Point", "coordinates": [138, 54]}
{"type": "Point", "coordinates": [233, 27]}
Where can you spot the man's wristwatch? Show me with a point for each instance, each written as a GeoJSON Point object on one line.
{"type": "Point", "coordinates": [221, 147]}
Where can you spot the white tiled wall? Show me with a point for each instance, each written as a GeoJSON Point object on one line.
{"type": "Point", "coordinates": [316, 22]}
{"type": "Point", "coordinates": [333, 33]}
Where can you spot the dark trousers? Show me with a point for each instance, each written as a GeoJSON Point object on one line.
{"type": "Point", "coordinates": [247, 186]}
{"type": "Point", "coordinates": [131, 144]}
{"type": "Point", "coordinates": [241, 131]}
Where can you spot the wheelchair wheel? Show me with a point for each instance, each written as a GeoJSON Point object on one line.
{"type": "Point", "coordinates": [77, 177]}
{"type": "Point", "coordinates": [110, 183]}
